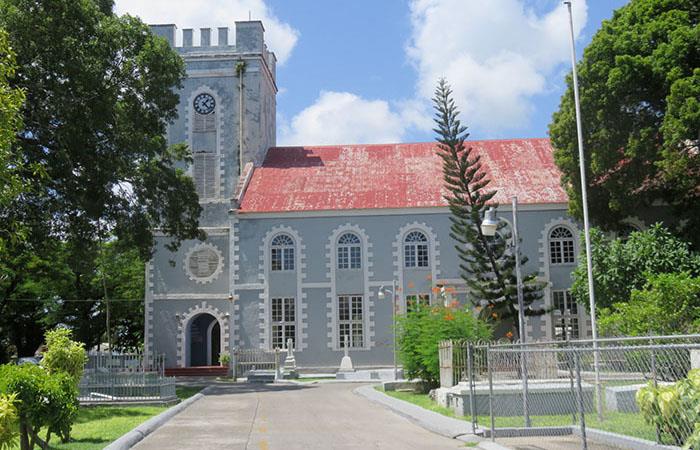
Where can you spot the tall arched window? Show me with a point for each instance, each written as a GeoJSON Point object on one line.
{"type": "Point", "coordinates": [415, 250]}
{"type": "Point", "coordinates": [349, 252]}
{"type": "Point", "coordinates": [561, 246]}
{"type": "Point", "coordinates": [205, 161]}
{"type": "Point", "coordinates": [282, 253]}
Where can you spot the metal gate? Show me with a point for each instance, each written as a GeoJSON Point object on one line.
{"type": "Point", "coordinates": [255, 359]}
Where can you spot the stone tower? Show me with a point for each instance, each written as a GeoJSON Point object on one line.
{"type": "Point", "coordinates": [226, 116]}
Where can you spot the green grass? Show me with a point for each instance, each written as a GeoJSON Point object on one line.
{"type": "Point", "coordinates": [184, 392]}
{"type": "Point", "coordinates": [630, 424]}
{"type": "Point", "coordinates": [97, 426]}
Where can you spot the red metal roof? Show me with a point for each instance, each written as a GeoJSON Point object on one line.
{"type": "Point", "coordinates": [345, 177]}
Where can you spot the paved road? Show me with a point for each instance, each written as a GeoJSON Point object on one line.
{"type": "Point", "coordinates": [291, 417]}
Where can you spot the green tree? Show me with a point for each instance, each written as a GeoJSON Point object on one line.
{"type": "Point", "coordinates": [487, 264]}
{"type": "Point", "coordinates": [668, 304]}
{"type": "Point", "coordinates": [640, 103]}
{"type": "Point", "coordinates": [622, 265]}
{"type": "Point", "coordinates": [100, 90]}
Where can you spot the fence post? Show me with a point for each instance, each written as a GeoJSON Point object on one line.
{"type": "Point", "coordinates": [470, 374]}
{"type": "Point", "coordinates": [488, 369]}
{"type": "Point", "coordinates": [523, 374]}
{"type": "Point", "coordinates": [569, 365]}
{"type": "Point", "coordinates": [579, 398]}
{"type": "Point", "coordinates": [653, 378]}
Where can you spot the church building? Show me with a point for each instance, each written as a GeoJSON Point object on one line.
{"type": "Point", "coordinates": [301, 239]}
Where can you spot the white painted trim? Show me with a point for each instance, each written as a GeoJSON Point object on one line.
{"type": "Point", "coordinates": [367, 301]}
{"type": "Point", "coordinates": [190, 296]}
{"type": "Point", "coordinates": [215, 274]}
{"type": "Point", "coordinates": [264, 271]}
{"type": "Point", "coordinates": [398, 256]}
{"type": "Point", "coordinates": [210, 231]}
{"type": "Point", "coordinates": [210, 328]}
{"type": "Point", "coordinates": [149, 313]}
{"type": "Point", "coordinates": [635, 222]}
{"type": "Point", "coordinates": [546, 319]}
{"type": "Point", "coordinates": [386, 211]}
{"type": "Point", "coordinates": [183, 324]}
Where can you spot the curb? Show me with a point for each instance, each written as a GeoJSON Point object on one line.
{"type": "Point", "coordinates": [431, 421]}
{"type": "Point", "coordinates": [136, 435]}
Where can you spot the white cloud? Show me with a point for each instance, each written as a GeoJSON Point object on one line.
{"type": "Point", "coordinates": [280, 36]}
{"type": "Point", "coordinates": [343, 118]}
{"type": "Point", "coordinates": [496, 54]}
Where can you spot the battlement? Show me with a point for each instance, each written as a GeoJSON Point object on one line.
{"type": "Point", "coordinates": [248, 38]}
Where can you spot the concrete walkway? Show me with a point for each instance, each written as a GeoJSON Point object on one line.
{"type": "Point", "coordinates": [320, 416]}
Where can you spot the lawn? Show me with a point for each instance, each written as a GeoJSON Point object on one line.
{"type": "Point", "coordinates": [629, 424]}
{"type": "Point", "coordinates": [97, 426]}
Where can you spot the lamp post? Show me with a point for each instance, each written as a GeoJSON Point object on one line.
{"type": "Point", "coordinates": [488, 228]}
{"type": "Point", "coordinates": [586, 226]}
{"type": "Point", "coordinates": [381, 295]}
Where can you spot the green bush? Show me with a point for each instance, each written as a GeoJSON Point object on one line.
{"type": "Point", "coordinates": [64, 355]}
{"type": "Point", "coordinates": [225, 359]}
{"type": "Point", "coordinates": [43, 400]}
{"type": "Point", "coordinates": [668, 304]}
{"type": "Point", "coordinates": [674, 409]}
{"type": "Point", "coordinates": [9, 421]}
{"type": "Point", "coordinates": [420, 331]}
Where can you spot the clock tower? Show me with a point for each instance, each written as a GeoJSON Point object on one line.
{"type": "Point", "coordinates": [226, 116]}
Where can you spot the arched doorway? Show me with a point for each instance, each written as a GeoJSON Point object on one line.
{"type": "Point", "coordinates": [205, 340]}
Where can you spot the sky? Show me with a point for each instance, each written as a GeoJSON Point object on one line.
{"type": "Point", "coordinates": [364, 71]}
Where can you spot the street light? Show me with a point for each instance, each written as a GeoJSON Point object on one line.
{"type": "Point", "coordinates": [381, 295]}
{"type": "Point", "coordinates": [488, 228]}
{"type": "Point", "coordinates": [586, 226]}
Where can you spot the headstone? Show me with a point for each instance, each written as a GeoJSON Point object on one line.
{"type": "Point", "coordinates": [695, 359]}
{"type": "Point", "coordinates": [290, 364]}
{"type": "Point", "coordinates": [346, 362]}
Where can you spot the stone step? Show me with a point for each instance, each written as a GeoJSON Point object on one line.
{"type": "Point", "coordinates": [261, 376]}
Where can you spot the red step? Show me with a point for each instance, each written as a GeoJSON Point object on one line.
{"type": "Point", "coordinates": [199, 371]}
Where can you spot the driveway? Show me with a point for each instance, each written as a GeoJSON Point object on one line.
{"type": "Point", "coordinates": [317, 416]}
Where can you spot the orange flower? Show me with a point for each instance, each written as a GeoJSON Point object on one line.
{"type": "Point", "coordinates": [494, 315]}
{"type": "Point", "coordinates": [450, 289]}
{"type": "Point", "coordinates": [436, 290]}
{"type": "Point", "coordinates": [454, 304]}
{"type": "Point", "coordinates": [449, 316]}
{"type": "Point", "coordinates": [509, 335]}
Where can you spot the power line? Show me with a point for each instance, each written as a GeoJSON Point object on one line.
{"type": "Point", "coordinates": [71, 300]}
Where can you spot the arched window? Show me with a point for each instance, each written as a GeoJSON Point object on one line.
{"type": "Point", "coordinates": [282, 253]}
{"type": "Point", "coordinates": [415, 250]}
{"type": "Point", "coordinates": [349, 252]}
{"type": "Point", "coordinates": [561, 246]}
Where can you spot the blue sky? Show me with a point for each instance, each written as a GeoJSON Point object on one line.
{"type": "Point", "coordinates": [363, 71]}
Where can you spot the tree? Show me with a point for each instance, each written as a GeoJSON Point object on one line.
{"type": "Point", "coordinates": [622, 265]}
{"type": "Point", "coordinates": [11, 185]}
{"type": "Point", "coordinates": [640, 103]}
{"type": "Point", "coordinates": [100, 90]}
{"type": "Point", "coordinates": [487, 264]}
{"type": "Point", "coordinates": [669, 303]}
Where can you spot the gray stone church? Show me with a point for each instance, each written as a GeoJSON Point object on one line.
{"type": "Point", "coordinates": [300, 239]}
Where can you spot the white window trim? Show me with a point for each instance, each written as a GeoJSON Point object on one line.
{"type": "Point", "coordinates": [349, 248]}
{"type": "Point", "coordinates": [284, 322]}
{"type": "Point", "coordinates": [433, 256]}
{"type": "Point", "coordinates": [352, 322]}
{"type": "Point", "coordinates": [561, 241]}
{"type": "Point", "coordinates": [282, 248]}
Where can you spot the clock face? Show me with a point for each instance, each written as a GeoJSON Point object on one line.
{"type": "Point", "coordinates": [204, 104]}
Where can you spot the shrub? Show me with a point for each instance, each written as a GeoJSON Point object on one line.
{"type": "Point", "coordinates": [674, 409]}
{"type": "Point", "coordinates": [420, 331]}
{"type": "Point", "coordinates": [225, 359]}
{"type": "Point", "coordinates": [9, 421]}
{"type": "Point", "coordinates": [64, 355]}
{"type": "Point", "coordinates": [668, 304]}
{"type": "Point", "coordinates": [42, 401]}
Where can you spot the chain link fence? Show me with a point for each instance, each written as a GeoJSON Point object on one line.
{"type": "Point", "coordinates": [627, 392]}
